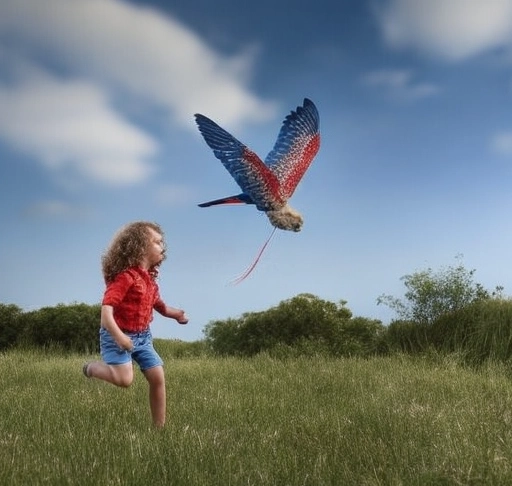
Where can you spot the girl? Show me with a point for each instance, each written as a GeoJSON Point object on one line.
{"type": "Point", "coordinates": [130, 268]}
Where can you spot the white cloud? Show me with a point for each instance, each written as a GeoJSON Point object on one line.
{"type": "Point", "coordinates": [502, 143]}
{"type": "Point", "coordinates": [400, 84]}
{"type": "Point", "coordinates": [139, 50]}
{"type": "Point", "coordinates": [69, 124]}
{"type": "Point", "coordinates": [66, 66]}
{"type": "Point", "coordinates": [449, 29]}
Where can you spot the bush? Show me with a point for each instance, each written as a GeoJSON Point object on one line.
{"type": "Point", "coordinates": [406, 337]}
{"type": "Point", "coordinates": [361, 337]}
{"type": "Point", "coordinates": [223, 337]}
{"type": "Point", "coordinates": [10, 329]}
{"type": "Point", "coordinates": [300, 319]}
{"type": "Point", "coordinates": [431, 294]}
{"type": "Point", "coordinates": [71, 327]}
{"type": "Point", "coordinates": [481, 331]}
{"type": "Point", "coordinates": [303, 325]}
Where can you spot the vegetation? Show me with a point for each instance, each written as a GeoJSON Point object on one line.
{"type": "Point", "coordinates": [431, 294]}
{"type": "Point", "coordinates": [303, 393]}
{"type": "Point", "coordinates": [304, 324]}
{"type": "Point", "coordinates": [71, 328]}
{"type": "Point", "coordinates": [449, 312]}
{"type": "Point", "coordinates": [9, 325]}
{"type": "Point", "coordinates": [258, 421]}
{"type": "Point", "coordinates": [445, 311]}
{"type": "Point", "coordinates": [481, 331]}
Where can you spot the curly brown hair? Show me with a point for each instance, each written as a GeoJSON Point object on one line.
{"type": "Point", "coordinates": [127, 248]}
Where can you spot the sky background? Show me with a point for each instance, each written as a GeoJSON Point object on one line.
{"type": "Point", "coordinates": [97, 99]}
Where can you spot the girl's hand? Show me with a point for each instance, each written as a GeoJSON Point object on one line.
{"type": "Point", "coordinates": [177, 314]}
{"type": "Point", "coordinates": [124, 342]}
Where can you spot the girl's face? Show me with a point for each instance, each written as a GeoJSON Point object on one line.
{"type": "Point", "coordinates": [155, 252]}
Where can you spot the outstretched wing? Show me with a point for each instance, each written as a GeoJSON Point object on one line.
{"type": "Point", "coordinates": [296, 146]}
{"type": "Point", "coordinates": [250, 173]}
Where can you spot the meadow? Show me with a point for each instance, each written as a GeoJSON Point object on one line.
{"type": "Point", "coordinates": [394, 420]}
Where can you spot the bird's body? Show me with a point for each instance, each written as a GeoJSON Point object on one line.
{"type": "Point", "coordinates": [269, 184]}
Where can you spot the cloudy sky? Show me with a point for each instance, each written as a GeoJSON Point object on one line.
{"type": "Point", "coordinates": [97, 99]}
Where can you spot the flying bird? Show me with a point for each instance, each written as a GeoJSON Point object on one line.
{"type": "Point", "coordinates": [269, 184]}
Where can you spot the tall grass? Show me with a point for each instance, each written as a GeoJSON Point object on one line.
{"type": "Point", "coordinates": [258, 421]}
{"type": "Point", "coordinates": [481, 331]}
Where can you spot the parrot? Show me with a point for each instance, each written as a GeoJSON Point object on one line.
{"type": "Point", "coordinates": [268, 185]}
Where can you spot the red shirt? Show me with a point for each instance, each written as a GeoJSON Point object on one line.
{"type": "Point", "coordinates": [133, 294]}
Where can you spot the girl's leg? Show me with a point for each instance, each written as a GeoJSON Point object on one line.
{"type": "Point", "coordinates": [119, 375]}
{"type": "Point", "coordinates": [120, 370]}
{"type": "Point", "coordinates": [157, 398]}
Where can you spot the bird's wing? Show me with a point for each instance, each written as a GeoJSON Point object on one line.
{"type": "Point", "coordinates": [251, 174]}
{"type": "Point", "coordinates": [296, 146]}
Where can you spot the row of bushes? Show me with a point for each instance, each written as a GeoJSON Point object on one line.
{"type": "Point", "coordinates": [303, 325]}
{"type": "Point", "coordinates": [69, 327]}
{"type": "Point", "coordinates": [478, 332]}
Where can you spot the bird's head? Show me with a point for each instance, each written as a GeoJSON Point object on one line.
{"type": "Point", "coordinates": [286, 218]}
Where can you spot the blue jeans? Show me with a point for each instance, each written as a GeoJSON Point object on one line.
{"type": "Point", "coordinates": [143, 352]}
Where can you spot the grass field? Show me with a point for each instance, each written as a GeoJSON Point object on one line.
{"type": "Point", "coordinates": [259, 421]}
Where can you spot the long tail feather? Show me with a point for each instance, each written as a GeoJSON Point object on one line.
{"type": "Point", "coordinates": [224, 200]}
{"type": "Point", "coordinates": [255, 262]}
{"type": "Point", "coordinates": [238, 199]}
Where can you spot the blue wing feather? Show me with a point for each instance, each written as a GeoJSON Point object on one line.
{"type": "Point", "coordinates": [250, 173]}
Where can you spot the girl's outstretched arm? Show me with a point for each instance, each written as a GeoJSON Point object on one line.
{"type": "Point", "coordinates": [178, 314]}
{"type": "Point", "coordinates": [172, 312]}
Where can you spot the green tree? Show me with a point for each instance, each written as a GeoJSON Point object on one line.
{"type": "Point", "coordinates": [431, 294]}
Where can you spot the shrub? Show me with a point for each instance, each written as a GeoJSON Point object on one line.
{"type": "Point", "coordinates": [10, 328]}
{"type": "Point", "coordinates": [360, 336]}
{"type": "Point", "coordinates": [431, 294]}
{"type": "Point", "coordinates": [72, 327]}
{"type": "Point", "coordinates": [407, 337]}
{"type": "Point", "coordinates": [302, 325]}
{"type": "Point", "coordinates": [300, 319]}
{"type": "Point", "coordinates": [223, 337]}
{"type": "Point", "coordinates": [482, 331]}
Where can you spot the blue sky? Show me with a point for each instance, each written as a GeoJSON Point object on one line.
{"type": "Point", "coordinates": [97, 99]}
